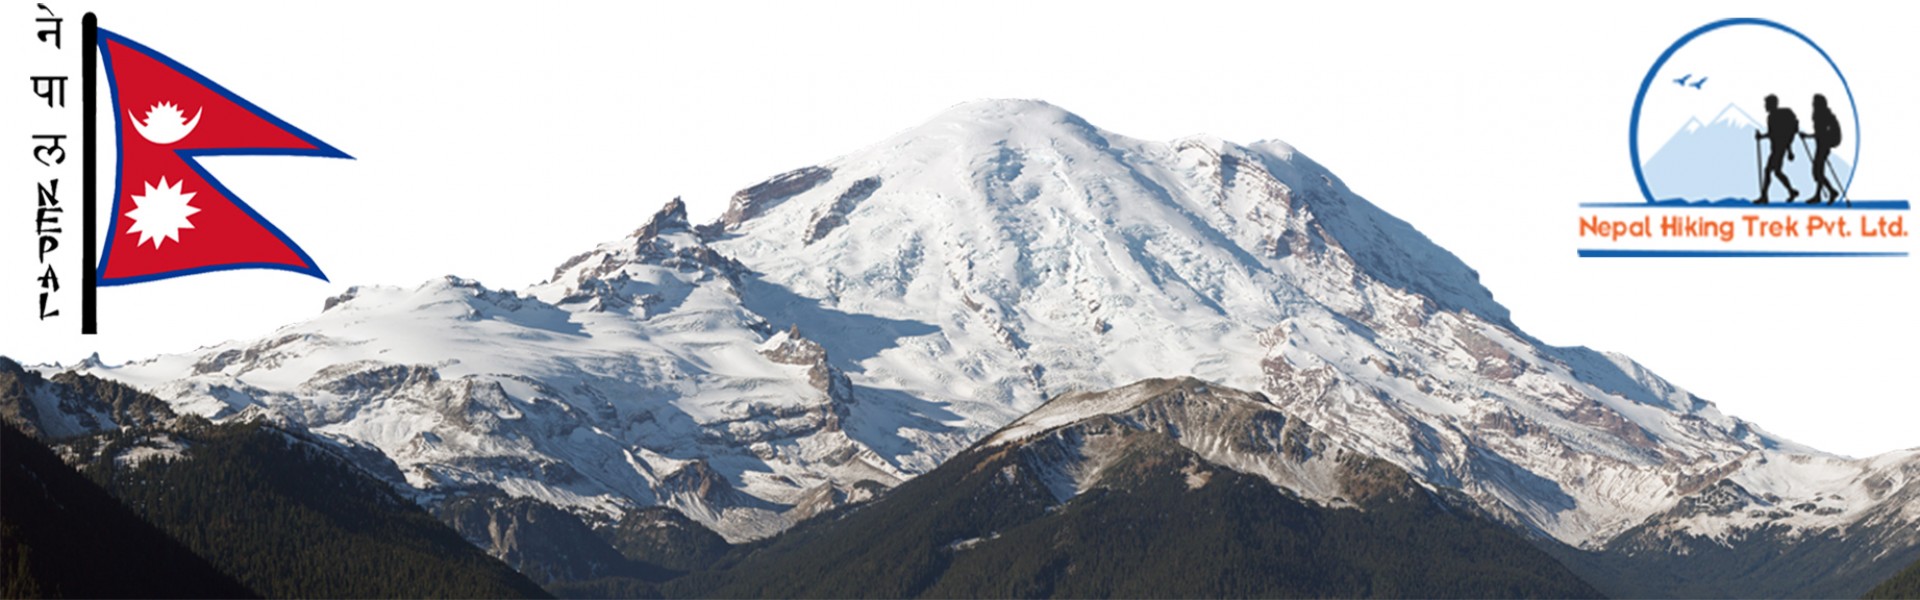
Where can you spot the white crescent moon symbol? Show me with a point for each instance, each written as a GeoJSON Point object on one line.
{"type": "Point", "coordinates": [164, 132]}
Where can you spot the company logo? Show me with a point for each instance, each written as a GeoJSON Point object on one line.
{"type": "Point", "coordinates": [1746, 141]}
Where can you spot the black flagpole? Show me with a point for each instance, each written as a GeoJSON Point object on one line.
{"type": "Point", "coordinates": [89, 40]}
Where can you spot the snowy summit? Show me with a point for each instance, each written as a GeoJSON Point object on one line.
{"type": "Point", "coordinates": [852, 323]}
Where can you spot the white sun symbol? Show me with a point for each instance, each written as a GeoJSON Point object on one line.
{"type": "Point", "coordinates": [165, 123]}
{"type": "Point", "coordinates": [161, 213]}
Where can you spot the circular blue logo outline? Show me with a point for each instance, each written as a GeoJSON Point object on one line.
{"type": "Point", "coordinates": [1633, 127]}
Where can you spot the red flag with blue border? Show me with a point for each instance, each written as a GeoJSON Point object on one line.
{"type": "Point", "coordinates": [170, 216]}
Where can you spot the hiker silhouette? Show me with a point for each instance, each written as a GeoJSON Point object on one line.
{"type": "Point", "coordinates": [1826, 137]}
{"type": "Point", "coordinates": [1782, 129]}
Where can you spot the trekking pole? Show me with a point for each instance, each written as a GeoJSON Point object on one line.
{"type": "Point", "coordinates": [1836, 181]}
{"type": "Point", "coordinates": [1759, 169]}
{"type": "Point", "coordinates": [1816, 172]}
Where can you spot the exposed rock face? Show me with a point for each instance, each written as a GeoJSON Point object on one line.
{"type": "Point", "coordinates": [605, 280]}
{"type": "Point", "coordinates": [755, 200]}
{"type": "Point", "coordinates": [540, 541]}
{"type": "Point", "coordinates": [956, 276]}
{"type": "Point", "coordinates": [835, 215]}
{"type": "Point", "coordinates": [71, 404]}
{"type": "Point", "coordinates": [662, 536]}
{"type": "Point", "coordinates": [1074, 438]}
{"type": "Point", "coordinates": [789, 348]}
{"type": "Point", "coordinates": [1117, 493]}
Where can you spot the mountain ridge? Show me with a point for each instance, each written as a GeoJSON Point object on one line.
{"type": "Point", "coordinates": [252, 505]}
{"type": "Point", "coordinates": [60, 531]}
{"type": "Point", "coordinates": [1144, 515]}
{"type": "Point", "coordinates": [851, 324]}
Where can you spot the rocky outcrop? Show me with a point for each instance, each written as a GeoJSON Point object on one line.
{"type": "Point", "coordinates": [834, 215]}
{"type": "Point", "coordinates": [72, 404]}
{"type": "Point", "coordinates": [540, 541]}
{"type": "Point", "coordinates": [753, 201]}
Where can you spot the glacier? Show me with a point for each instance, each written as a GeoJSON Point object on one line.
{"type": "Point", "coordinates": [859, 320]}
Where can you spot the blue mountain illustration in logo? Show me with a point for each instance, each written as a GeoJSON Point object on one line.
{"type": "Point", "coordinates": [1716, 160]}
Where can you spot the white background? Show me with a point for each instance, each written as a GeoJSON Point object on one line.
{"type": "Point", "coordinates": [495, 140]}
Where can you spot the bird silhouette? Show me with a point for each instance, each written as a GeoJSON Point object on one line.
{"type": "Point", "coordinates": [1682, 81]}
{"type": "Point", "coordinates": [1696, 85]}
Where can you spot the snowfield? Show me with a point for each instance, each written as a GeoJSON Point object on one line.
{"type": "Point", "coordinates": [865, 318]}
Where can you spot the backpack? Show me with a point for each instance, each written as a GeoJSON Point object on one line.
{"type": "Point", "coordinates": [1826, 129]}
{"type": "Point", "coordinates": [1782, 126]}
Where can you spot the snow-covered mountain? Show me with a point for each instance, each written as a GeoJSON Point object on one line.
{"type": "Point", "coordinates": [1716, 160]}
{"type": "Point", "coordinates": [1159, 488]}
{"type": "Point", "coordinates": [858, 321]}
{"type": "Point", "coordinates": [648, 383]}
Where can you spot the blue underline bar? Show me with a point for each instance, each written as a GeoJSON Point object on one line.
{"type": "Point", "coordinates": [1604, 253]}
